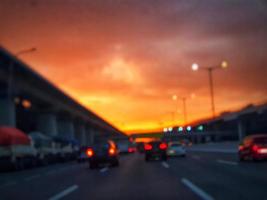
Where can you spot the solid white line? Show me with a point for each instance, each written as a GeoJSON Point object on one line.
{"type": "Point", "coordinates": [166, 165]}
{"type": "Point", "coordinates": [196, 190]}
{"type": "Point", "coordinates": [51, 172]}
{"type": "Point", "coordinates": [32, 177]}
{"type": "Point", "coordinates": [213, 150]}
{"type": "Point", "coordinates": [104, 169]}
{"type": "Point", "coordinates": [64, 192]}
{"type": "Point", "coordinates": [10, 183]}
{"type": "Point", "coordinates": [227, 162]}
{"type": "Point", "coordinates": [196, 157]}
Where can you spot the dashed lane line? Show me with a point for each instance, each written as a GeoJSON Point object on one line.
{"type": "Point", "coordinates": [104, 169]}
{"type": "Point", "coordinates": [10, 183]}
{"type": "Point", "coordinates": [64, 193]}
{"type": "Point", "coordinates": [32, 177]}
{"type": "Point", "coordinates": [227, 162]}
{"type": "Point", "coordinates": [166, 165]}
{"type": "Point", "coordinates": [197, 190]}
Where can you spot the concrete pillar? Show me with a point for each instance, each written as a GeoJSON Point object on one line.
{"type": "Point", "coordinates": [80, 133]}
{"type": "Point", "coordinates": [83, 135]}
{"type": "Point", "coordinates": [90, 135]}
{"type": "Point", "coordinates": [7, 112]}
{"type": "Point", "coordinates": [66, 128]}
{"type": "Point", "coordinates": [47, 124]}
{"type": "Point", "coordinates": [241, 130]}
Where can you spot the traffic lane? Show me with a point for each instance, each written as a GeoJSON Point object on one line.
{"type": "Point", "coordinates": [44, 184]}
{"type": "Point", "coordinates": [250, 168]}
{"type": "Point", "coordinates": [215, 155]}
{"type": "Point", "coordinates": [133, 179]}
{"type": "Point", "coordinates": [219, 180]}
{"type": "Point", "coordinates": [17, 175]}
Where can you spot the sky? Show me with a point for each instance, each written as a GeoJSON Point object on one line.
{"type": "Point", "coordinates": [125, 59]}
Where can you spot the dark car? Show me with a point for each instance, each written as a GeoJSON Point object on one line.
{"type": "Point", "coordinates": [253, 147]}
{"type": "Point", "coordinates": [82, 154]}
{"type": "Point", "coordinates": [140, 147]}
{"type": "Point", "coordinates": [103, 153]}
{"type": "Point", "coordinates": [155, 150]}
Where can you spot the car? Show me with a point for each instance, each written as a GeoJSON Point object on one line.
{"type": "Point", "coordinates": [131, 148]}
{"type": "Point", "coordinates": [176, 149]}
{"type": "Point", "coordinates": [253, 147]}
{"type": "Point", "coordinates": [140, 147]}
{"type": "Point", "coordinates": [155, 150]}
{"type": "Point", "coordinates": [123, 146]}
{"type": "Point", "coordinates": [82, 156]}
{"type": "Point", "coordinates": [103, 153]}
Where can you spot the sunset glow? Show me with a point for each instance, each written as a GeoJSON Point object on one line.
{"type": "Point", "coordinates": [125, 60]}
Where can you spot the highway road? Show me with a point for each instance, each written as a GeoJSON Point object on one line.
{"type": "Point", "coordinates": [201, 175]}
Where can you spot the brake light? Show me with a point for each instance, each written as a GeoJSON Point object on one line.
{"type": "Point", "coordinates": [163, 146]}
{"type": "Point", "coordinates": [148, 147]}
{"type": "Point", "coordinates": [255, 148]}
{"type": "Point", "coordinates": [89, 152]}
{"type": "Point", "coordinates": [111, 151]}
{"type": "Point", "coordinates": [241, 148]}
{"type": "Point", "coordinates": [130, 150]}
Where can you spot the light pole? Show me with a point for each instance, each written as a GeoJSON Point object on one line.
{"type": "Point", "coordinates": [174, 97]}
{"type": "Point", "coordinates": [210, 70]}
{"type": "Point", "coordinates": [11, 70]}
{"type": "Point", "coordinates": [184, 109]}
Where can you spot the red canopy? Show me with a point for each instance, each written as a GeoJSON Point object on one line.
{"type": "Point", "coordinates": [11, 136]}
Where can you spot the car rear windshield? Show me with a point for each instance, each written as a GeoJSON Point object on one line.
{"type": "Point", "coordinates": [175, 145]}
{"type": "Point", "coordinates": [101, 145]}
{"type": "Point", "coordinates": [260, 140]}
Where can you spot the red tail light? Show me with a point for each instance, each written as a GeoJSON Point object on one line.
{"type": "Point", "coordinates": [89, 152]}
{"type": "Point", "coordinates": [163, 146]}
{"type": "Point", "coordinates": [148, 147]}
{"type": "Point", "coordinates": [255, 148]}
{"type": "Point", "coordinates": [111, 151]}
{"type": "Point", "coordinates": [131, 149]}
{"type": "Point", "coordinates": [241, 148]}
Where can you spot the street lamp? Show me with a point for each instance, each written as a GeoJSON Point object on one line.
{"type": "Point", "coordinates": [174, 97]}
{"type": "Point", "coordinates": [224, 65]}
{"type": "Point", "coordinates": [11, 71]}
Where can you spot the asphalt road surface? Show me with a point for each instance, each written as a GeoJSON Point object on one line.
{"type": "Point", "coordinates": [201, 175]}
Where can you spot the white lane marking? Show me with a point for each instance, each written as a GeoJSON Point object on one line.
{"type": "Point", "coordinates": [64, 192]}
{"type": "Point", "coordinates": [32, 177]}
{"type": "Point", "coordinates": [227, 162]}
{"type": "Point", "coordinates": [213, 150]}
{"type": "Point", "coordinates": [51, 172]}
{"type": "Point", "coordinates": [196, 157]}
{"type": "Point", "coordinates": [196, 189]}
{"type": "Point", "coordinates": [166, 165]}
{"type": "Point", "coordinates": [104, 169]}
{"type": "Point", "coordinates": [10, 183]}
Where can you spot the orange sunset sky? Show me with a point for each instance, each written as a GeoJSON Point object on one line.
{"type": "Point", "coordinates": [124, 59]}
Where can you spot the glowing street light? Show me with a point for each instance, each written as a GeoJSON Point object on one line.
{"type": "Point", "coordinates": [210, 70]}
{"type": "Point", "coordinates": [180, 129]}
{"type": "Point", "coordinates": [195, 67]}
{"type": "Point", "coordinates": [188, 128]}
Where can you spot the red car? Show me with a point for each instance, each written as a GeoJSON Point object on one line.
{"type": "Point", "coordinates": [253, 147]}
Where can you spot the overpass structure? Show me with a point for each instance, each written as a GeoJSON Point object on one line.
{"type": "Point", "coordinates": [251, 119]}
{"type": "Point", "coordinates": [31, 103]}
